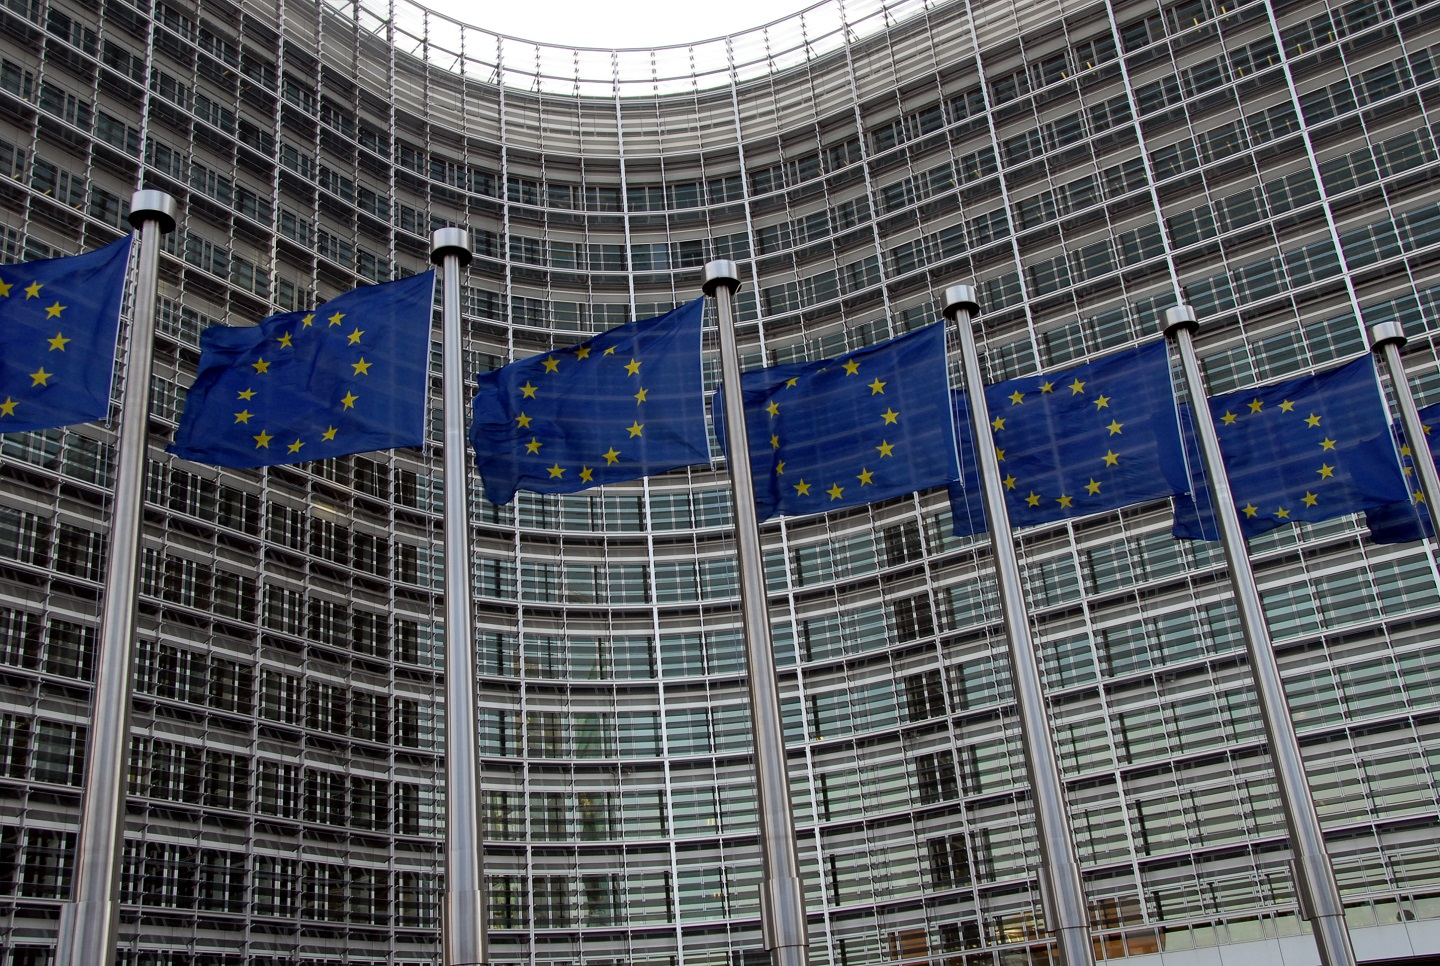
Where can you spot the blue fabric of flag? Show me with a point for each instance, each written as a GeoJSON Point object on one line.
{"type": "Point", "coordinates": [1093, 438]}
{"type": "Point", "coordinates": [1410, 520]}
{"type": "Point", "coordinates": [58, 323]}
{"type": "Point", "coordinates": [350, 377]}
{"type": "Point", "coordinates": [838, 433]}
{"type": "Point", "coordinates": [626, 404]}
{"type": "Point", "coordinates": [1305, 449]}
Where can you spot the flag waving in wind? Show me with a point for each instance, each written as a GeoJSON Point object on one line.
{"type": "Point", "coordinates": [58, 323]}
{"type": "Point", "coordinates": [350, 377]}
{"type": "Point", "coordinates": [628, 403]}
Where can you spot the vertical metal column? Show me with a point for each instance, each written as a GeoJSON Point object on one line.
{"type": "Point", "coordinates": [1061, 890]}
{"type": "Point", "coordinates": [463, 918]}
{"type": "Point", "coordinates": [1318, 894]}
{"type": "Point", "coordinates": [90, 921]}
{"type": "Point", "coordinates": [1386, 338]}
{"type": "Point", "coordinates": [782, 900]}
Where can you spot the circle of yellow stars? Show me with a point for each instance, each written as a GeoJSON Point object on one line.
{"type": "Point", "coordinates": [282, 344]}
{"type": "Point", "coordinates": [1109, 459]}
{"type": "Point", "coordinates": [551, 364]}
{"type": "Point", "coordinates": [41, 378]}
{"type": "Point", "coordinates": [1326, 445]}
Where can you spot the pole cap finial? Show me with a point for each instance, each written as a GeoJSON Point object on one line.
{"type": "Point", "coordinates": [451, 241]}
{"type": "Point", "coordinates": [722, 271]}
{"type": "Point", "coordinates": [1181, 316]}
{"type": "Point", "coordinates": [1389, 332]}
{"type": "Point", "coordinates": [150, 204]}
{"type": "Point", "coordinates": [958, 297]}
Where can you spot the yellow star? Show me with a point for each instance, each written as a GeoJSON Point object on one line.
{"type": "Point", "coordinates": [349, 400]}
{"type": "Point", "coordinates": [1033, 499]}
{"type": "Point", "coordinates": [285, 341]}
{"type": "Point", "coordinates": [1256, 405]}
{"type": "Point", "coordinates": [40, 377]}
{"type": "Point", "coordinates": [792, 382]}
{"type": "Point", "coordinates": [53, 312]}
{"type": "Point", "coordinates": [1017, 398]}
{"type": "Point", "coordinates": [1115, 427]}
{"type": "Point", "coordinates": [1112, 458]}
{"type": "Point", "coordinates": [851, 367]}
{"type": "Point", "coordinates": [632, 367]}
{"type": "Point", "coordinates": [1229, 419]}
{"type": "Point", "coordinates": [1010, 482]}
{"type": "Point", "coordinates": [641, 395]}
{"type": "Point", "coordinates": [1309, 499]}
{"type": "Point", "coordinates": [1326, 471]}
{"type": "Point", "coordinates": [533, 446]}
{"type": "Point", "coordinates": [295, 446]}
{"type": "Point", "coordinates": [635, 428]}
{"type": "Point", "coordinates": [1065, 501]}
{"type": "Point", "coordinates": [524, 421]}
{"type": "Point", "coordinates": [774, 441]}
{"type": "Point", "coordinates": [335, 319]}
{"type": "Point", "coordinates": [779, 467]}
{"type": "Point", "coordinates": [7, 408]}
{"type": "Point", "coordinates": [354, 337]}
{"type": "Point", "coordinates": [1283, 513]}
{"type": "Point", "coordinates": [999, 454]}
{"type": "Point", "coordinates": [1093, 487]}
{"type": "Point", "coordinates": [527, 390]}
{"type": "Point", "coordinates": [32, 291]}
{"type": "Point", "coordinates": [802, 488]}
{"type": "Point", "coordinates": [308, 321]}
{"type": "Point", "coordinates": [58, 342]}
{"type": "Point", "coordinates": [877, 388]}
{"type": "Point", "coordinates": [1286, 406]}
{"type": "Point", "coordinates": [773, 409]}
{"type": "Point", "coordinates": [263, 440]}
{"type": "Point", "coordinates": [1405, 450]}
{"type": "Point", "coordinates": [556, 472]}
{"type": "Point", "coordinates": [243, 416]}
{"type": "Point", "coordinates": [260, 365]}
{"type": "Point", "coordinates": [890, 416]}
{"type": "Point", "coordinates": [998, 423]}
{"type": "Point", "coordinates": [1251, 510]}
{"type": "Point", "coordinates": [1077, 387]}
{"type": "Point", "coordinates": [362, 368]}
{"type": "Point", "coordinates": [1047, 386]}
{"type": "Point", "coordinates": [329, 434]}
{"type": "Point", "coordinates": [1419, 497]}
{"type": "Point", "coordinates": [1312, 420]}
{"type": "Point", "coordinates": [587, 475]}
{"type": "Point", "coordinates": [613, 456]}
{"type": "Point", "coordinates": [886, 449]}
{"type": "Point", "coordinates": [246, 394]}
{"type": "Point", "coordinates": [552, 364]}
{"type": "Point", "coordinates": [610, 351]}
{"type": "Point", "coordinates": [1102, 403]}
{"type": "Point", "coordinates": [1327, 443]}
{"type": "Point", "coordinates": [583, 353]}
{"type": "Point", "coordinates": [4, 288]}
{"type": "Point", "coordinates": [835, 491]}
{"type": "Point", "coordinates": [866, 477]}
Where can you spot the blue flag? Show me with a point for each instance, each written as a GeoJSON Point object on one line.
{"type": "Point", "coordinates": [58, 323]}
{"type": "Point", "coordinates": [349, 377]}
{"type": "Point", "coordinates": [627, 404]}
{"type": "Point", "coordinates": [1097, 437]}
{"type": "Point", "coordinates": [1408, 521]}
{"type": "Point", "coordinates": [1305, 449]}
{"type": "Point", "coordinates": [849, 431]}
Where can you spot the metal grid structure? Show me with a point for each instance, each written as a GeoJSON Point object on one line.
{"type": "Point", "coordinates": [1079, 162]}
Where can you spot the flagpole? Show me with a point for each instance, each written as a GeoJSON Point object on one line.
{"type": "Point", "coordinates": [89, 922]}
{"type": "Point", "coordinates": [463, 918]}
{"type": "Point", "coordinates": [1061, 891]}
{"type": "Point", "coordinates": [782, 900]}
{"type": "Point", "coordinates": [1386, 338]}
{"type": "Point", "coordinates": [1315, 886]}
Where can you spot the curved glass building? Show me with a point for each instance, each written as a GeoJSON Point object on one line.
{"type": "Point", "coordinates": [1077, 161]}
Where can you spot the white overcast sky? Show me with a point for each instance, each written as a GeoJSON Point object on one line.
{"type": "Point", "coordinates": [617, 23]}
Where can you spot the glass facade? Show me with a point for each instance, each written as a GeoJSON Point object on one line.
{"type": "Point", "coordinates": [1077, 161]}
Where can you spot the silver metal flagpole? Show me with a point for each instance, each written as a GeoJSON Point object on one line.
{"type": "Point", "coordinates": [1386, 338]}
{"type": "Point", "coordinates": [782, 900]}
{"type": "Point", "coordinates": [1061, 890]}
{"type": "Point", "coordinates": [463, 923]}
{"type": "Point", "coordinates": [90, 921]}
{"type": "Point", "coordinates": [1317, 892]}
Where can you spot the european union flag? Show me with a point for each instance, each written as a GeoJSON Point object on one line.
{"type": "Point", "coordinates": [1305, 449]}
{"type": "Point", "coordinates": [349, 377]}
{"type": "Point", "coordinates": [1097, 437]}
{"type": "Point", "coordinates": [58, 322]}
{"type": "Point", "coordinates": [1408, 521]}
{"type": "Point", "coordinates": [626, 404]}
{"type": "Point", "coordinates": [848, 431]}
